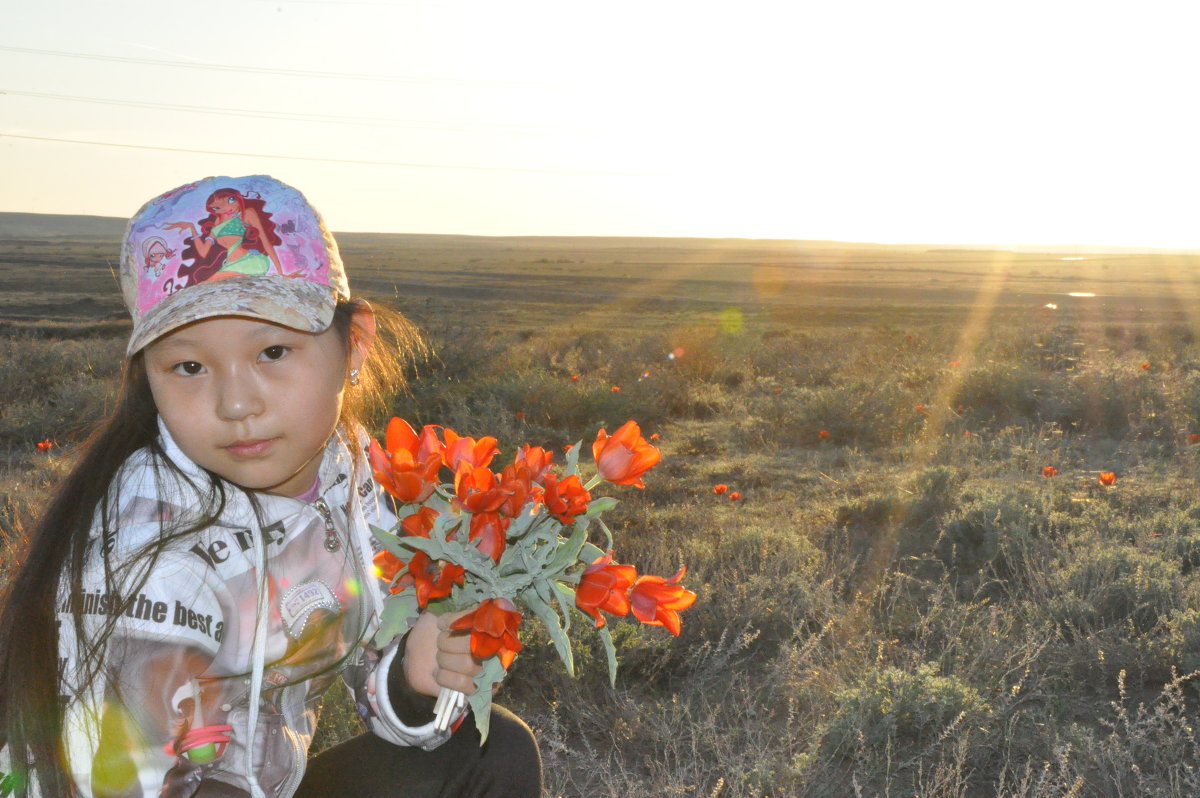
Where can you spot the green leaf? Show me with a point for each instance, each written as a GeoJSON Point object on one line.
{"type": "Point", "coordinates": [590, 553]}
{"type": "Point", "coordinates": [601, 505]}
{"type": "Point", "coordinates": [568, 552]}
{"type": "Point", "coordinates": [481, 699]}
{"type": "Point", "coordinates": [611, 651]}
{"type": "Point", "coordinates": [566, 600]}
{"type": "Point", "coordinates": [400, 612]}
{"type": "Point", "coordinates": [573, 458]}
{"type": "Point", "coordinates": [551, 621]}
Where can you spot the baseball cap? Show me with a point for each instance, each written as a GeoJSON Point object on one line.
{"type": "Point", "coordinates": [229, 246]}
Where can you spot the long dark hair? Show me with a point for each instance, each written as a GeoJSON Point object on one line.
{"type": "Point", "coordinates": [53, 556]}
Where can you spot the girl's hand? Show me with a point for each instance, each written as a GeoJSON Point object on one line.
{"type": "Point", "coordinates": [436, 656]}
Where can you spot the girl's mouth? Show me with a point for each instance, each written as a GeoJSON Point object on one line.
{"type": "Point", "coordinates": [249, 449]}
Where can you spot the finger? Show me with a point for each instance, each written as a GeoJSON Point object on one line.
{"type": "Point", "coordinates": [448, 618]}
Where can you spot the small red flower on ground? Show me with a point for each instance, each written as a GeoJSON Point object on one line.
{"type": "Point", "coordinates": [1049, 471]}
{"type": "Point", "coordinates": [1194, 437]}
{"type": "Point", "coordinates": [654, 436]}
{"type": "Point", "coordinates": [735, 496]}
{"type": "Point", "coordinates": [920, 408]}
{"type": "Point", "coordinates": [1108, 478]}
{"type": "Point", "coordinates": [45, 446]}
{"type": "Point", "coordinates": [616, 388]}
{"type": "Point", "coordinates": [823, 434]}
{"type": "Point", "coordinates": [623, 458]}
{"type": "Point", "coordinates": [1146, 366]}
{"type": "Point", "coordinates": [493, 626]}
{"type": "Point", "coordinates": [519, 415]}
{"type": "Point", "coordinates": [574, 378]}
{"type": "Point", "coordinates": [720, 488]}
{"type": "Point", "coordinates": [604, 585]}
{"type": "Point", "coordinates": [656, 601]}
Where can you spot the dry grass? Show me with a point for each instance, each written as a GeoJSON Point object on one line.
{"type": "Point", "coordinates": [903, 607]}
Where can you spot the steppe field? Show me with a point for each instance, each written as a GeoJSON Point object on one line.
{"type": "Point", "coordinates": [924, 589]}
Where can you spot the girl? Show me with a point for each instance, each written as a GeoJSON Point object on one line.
{"type": "Point", "coordinates": [205, 572]}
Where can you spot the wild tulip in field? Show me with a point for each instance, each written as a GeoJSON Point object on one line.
{"type": "Point", "coordinates": [498, 543]}
{"type": "Point", "coordinates": [1108, 478]}
{"type": "Point", "coordinates": [1049, 471]}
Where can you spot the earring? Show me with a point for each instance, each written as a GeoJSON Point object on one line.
{"type": "Point", "coordinates": [354, 376]}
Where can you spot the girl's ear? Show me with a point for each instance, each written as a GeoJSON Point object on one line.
{"type": "Point", "coordinates": [362, 334]}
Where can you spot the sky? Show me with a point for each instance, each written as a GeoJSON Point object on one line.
{"type": "Point", "coordinates": [926, 121]}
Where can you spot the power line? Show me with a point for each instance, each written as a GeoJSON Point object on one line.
{"type": "Point", "coordinates": [305, 117]}
{"type": "Point", "coordinates": [337, 160]}
{"type": "Point", "coordinates": [300, 73]}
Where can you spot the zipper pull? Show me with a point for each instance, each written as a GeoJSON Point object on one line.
{"type": "Point", "coordinates": [331, 541]}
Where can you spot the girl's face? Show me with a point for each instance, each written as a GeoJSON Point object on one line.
{"type": "Point", "coordinates": [251, 401]}
{"type": "Point", "coordinates": [222, 205]}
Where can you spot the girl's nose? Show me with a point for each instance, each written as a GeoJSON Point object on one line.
{"type": "Point", "coordinates": [239, 396]}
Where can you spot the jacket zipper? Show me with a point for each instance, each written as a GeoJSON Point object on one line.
{"type": "Point", "coordinates": [331, 540]}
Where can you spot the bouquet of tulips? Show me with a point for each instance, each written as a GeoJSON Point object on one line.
{"type": "Point", "coordinates": [499, 542]}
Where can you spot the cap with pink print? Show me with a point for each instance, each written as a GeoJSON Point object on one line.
{"type": "Point", "coordinates": [229, 246]}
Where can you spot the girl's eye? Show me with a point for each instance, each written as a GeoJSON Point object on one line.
{"type": "Point", "coordinates": [274, 352]}
{"type": "Point", "coordinates": [189, 368]}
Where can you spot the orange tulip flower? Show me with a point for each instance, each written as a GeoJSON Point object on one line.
{"type": "Point", "coordinates": [604, 585]}
{"type": "Point", "coordinates": [616, 388]}
{"type": "Point", "coordinates": [720, 488]}
{"type": "Point", "coordinates": [398, 470]}
{"type": "Point", "coordinates": [1108, 478]}
{"type": "Point", "coordinates": [420, 523]}
{"type": "Point", "coordinates": [823, 434]}
{"type": "Point", "coordinates": [920, 408]}
{"type": "Point", "coordinates": [654, 436]}
{"type": "Point", "coordinates": [535, 459]}
{"type": "Point", "coordinates": [1049, 471]}
{"type": "Point", "coordinates": [488, 529]}
{"type": "Point", "coordinates": [518, 484]}
{"type": "Point", "coordinates": [519, 415]}
{"type": "Point", "coordinates": [574, 378]}
{"type": "Point", "coordinates": [459, 449]}
{"type": "Point", "coordinates": [1146, 366]}
{"type": "Point", "coordinates": [567, 498]}
{"type": "Point", "coordinates": [735, 496]}
{"type": "Point", "coordinates": [433, 582]}
{"type": "Point", "coordinates": [1194, 437]}
{"type": "Point", "coordinates": [476, 489]}
{"type": "Point", "coordinates": [45, 446]}
{"type": "Point", "coordinates": [493, 626]}
{"type": "Point", "coordinates": [656, 601]}
{"type": "Point", "coordinates": [387, 565]}
{"type": "Point", "coordinates": [623, 458]}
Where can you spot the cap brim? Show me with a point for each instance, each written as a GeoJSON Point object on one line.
{"type": "Point", "coordinates": [298, 304]}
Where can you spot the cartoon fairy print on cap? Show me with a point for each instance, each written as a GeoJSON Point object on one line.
{"type": "Point", "coordinates": [229, 246]}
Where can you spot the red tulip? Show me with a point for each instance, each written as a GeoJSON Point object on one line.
{"type": "Point", "coordinates": [616, 389]}
{"type": "Point", "coordinates": [654, 436]}
{"type": "Point", "coordinates": [493, 625]}
{"type": "Point", "coordinates": [516, 481]}
{"type": "Point", "coordinates": [823, 434]}
{"type": "Point", "coordinates": [401, 469]}
{"type": "Point", "coordinates": [420, 523]}
{"type": "Point", "coordinates": [1146, 366]}
{"type": "Point", "coordinates": [476, 489]}
{"type": "Point", "coordinates": [433, 582]}
{"type": "Point", "coordinates": [489, 529]}
{"type": "Point", "coordinates": [1107, 478]}
{"type": "Point", "coordinates": [387, 565]}
{"type": "Point", "coordinates": [1194, 437]}
{"type": "Point", "coordinates": [574, 378]}
{"type": "Point", "coordinates": [45, 446]}
{"type": "Point", "coordinates": [478, 453]}
{"type": "Point", "coordinates": [720, 488]}
{"type": "Point", "coordinates": [604, 585]}
{"type": "Point", "coordinates": [623, 458]}
{"type": "Point", "coordinates": [735, 496]}
{"type": "Point", "coordinates": [534, 458]}
{"type": "Point", "coordinates": [1049, 471]}
{"type": "Point", "coordinates": [567, 498]}
{"type": "Point", "coordinates": [656, 601]}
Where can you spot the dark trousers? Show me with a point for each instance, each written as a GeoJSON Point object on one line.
{"type": "Point", "coordinates": [508, 765]}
